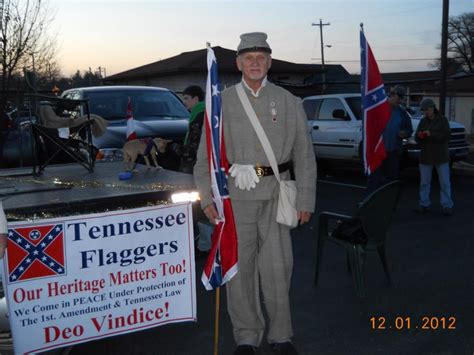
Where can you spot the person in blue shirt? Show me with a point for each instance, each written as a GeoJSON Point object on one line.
{"type": "Point", "coordinates": [398, 128]}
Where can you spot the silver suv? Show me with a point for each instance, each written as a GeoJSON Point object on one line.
{"type": "Point", "coordinates": [335, 122]}
{"type": "Point", "coordinates": [157, 112]}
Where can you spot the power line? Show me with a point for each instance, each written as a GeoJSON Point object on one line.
{"type": "Point", "coordinates": [379, 60]}
{"type": "Point", "coordinates": [380, 14]}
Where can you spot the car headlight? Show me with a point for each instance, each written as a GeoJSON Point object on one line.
{"type": "Point", "coordinates": [185, 196]}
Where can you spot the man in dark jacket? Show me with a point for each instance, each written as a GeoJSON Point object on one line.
{"type": "Point", "coordinates": [433, 134]}
{"type": "Point", "coordinates": [193, 99]}
{"type": "Point", "coordinates": [398, 127]}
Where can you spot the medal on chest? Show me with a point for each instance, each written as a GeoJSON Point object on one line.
{"type": "Point", "coordinates": [273, 111]}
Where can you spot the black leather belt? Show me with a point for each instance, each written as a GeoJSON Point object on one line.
{"type": "Point", "coordinates": [267, 170]}
{"type": "Point", "coordinates": [263, 171]}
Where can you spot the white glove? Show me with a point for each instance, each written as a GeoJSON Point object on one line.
{"type": "Point", "coordinates": [245, 176]}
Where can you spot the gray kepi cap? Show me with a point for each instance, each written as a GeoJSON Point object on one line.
{"type": "Point", "coordinates": [253, 42]}
{"type": "Point", "coordinates": [427, 102]}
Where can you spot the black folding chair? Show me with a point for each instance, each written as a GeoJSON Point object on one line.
{"type": "Point", "coordinates": [49, 146]}
{"type": "Point", "coordinates": [371, 220]}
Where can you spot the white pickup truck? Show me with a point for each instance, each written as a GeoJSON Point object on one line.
{"type": "Point", "coordinates": [335, 122]}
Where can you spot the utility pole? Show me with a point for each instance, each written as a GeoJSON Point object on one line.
{"type": "Point", "coordinates": [1, 15]}
{"type": "Point", "coordinates": [1, 23]}
{"type": "Point", "coordinates": [90, 76]}
{"type": "Point", "coordinates": [444, 58]}
{"type": "Point", "coordinates": [323, 74]}
{"type": "Point", "coordinates": [100, 71]}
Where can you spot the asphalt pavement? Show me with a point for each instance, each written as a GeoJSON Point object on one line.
{"type": "Point", "coordinates": [431, 262]}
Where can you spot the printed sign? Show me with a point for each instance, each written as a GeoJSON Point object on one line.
{"type": "Point", "coordinates": [74, 279]}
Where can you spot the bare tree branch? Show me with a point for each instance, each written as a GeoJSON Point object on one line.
{"type": "Point", "coordinates": [25, 41]}
{"type": "Point", "coordinates": [461, 43]}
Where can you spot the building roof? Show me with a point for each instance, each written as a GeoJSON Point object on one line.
{"type": "Point", "coordinates": [427, 81]}
{"type": "Point", "coordinates": [195, 61]}
{"type": "Point", "coordinates": [413, 76]}
{"type": "Point", "coordinates": [455, 83]}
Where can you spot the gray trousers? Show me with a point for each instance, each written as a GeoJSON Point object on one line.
{"type": "Point", "coordinates": [266, 263]}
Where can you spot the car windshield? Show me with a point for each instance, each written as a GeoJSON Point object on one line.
{"type": "Point", "coordinates": [354, 104]}
{"type": "Point", "coordinates": [414, 112]}
{"type": "Point", "coordinates": [112, 104]}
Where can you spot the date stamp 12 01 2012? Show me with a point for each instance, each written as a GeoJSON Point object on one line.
{"type": "Point", "coordinates": [407, 323]}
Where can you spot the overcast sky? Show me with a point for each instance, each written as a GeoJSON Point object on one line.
{"type": "Point", "coordinates": [119, 35]}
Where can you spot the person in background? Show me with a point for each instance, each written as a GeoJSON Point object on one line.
{"type": "Point", "coordinates": [193, 99]}
{"type": "Point", "coordinates": [264, 245]}
{"type": "Point", "coordinates": [398, 128]}
{"type": "Point", "coordinates": [433, 134]}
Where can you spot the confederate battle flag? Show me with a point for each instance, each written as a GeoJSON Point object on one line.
{"type": "Point", "coordinates": [35, 252]}
{"type": "Point", "coordinates": [375, 108]}
{"type": "Point", "coordinates": [221, 264]}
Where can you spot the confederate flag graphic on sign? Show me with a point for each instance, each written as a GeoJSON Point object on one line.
{"type": "Point", "coordinates": [35, 252]}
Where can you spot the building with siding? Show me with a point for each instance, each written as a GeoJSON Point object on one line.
{"type": "Point", "coordinates": [190, 68]}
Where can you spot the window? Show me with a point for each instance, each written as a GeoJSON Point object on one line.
{"type": "Point", "coordinates": [327, 108]}
{"type": "Point", "coordinates": [68, 109]}
{"type": "Point", "coordinates": [354, 104]}
{"type": "Point", "coordinates": [76, 95]}
{"type": "Point", "coordinates": [146, 104]}
{"type": "Point", "coordinates": [311, 107]}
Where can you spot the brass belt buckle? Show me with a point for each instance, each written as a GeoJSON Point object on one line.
{"type": "Point", "coordinates": [259, 170]}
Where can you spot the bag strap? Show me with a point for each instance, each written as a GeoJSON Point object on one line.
{"type": "Point", "coordinates": [258, 129]}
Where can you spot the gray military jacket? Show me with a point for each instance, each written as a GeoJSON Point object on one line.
{"type": "Point", "coordinates": [282, 117]}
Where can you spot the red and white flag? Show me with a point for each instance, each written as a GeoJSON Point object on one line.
{"type": "Point", "coordinates": [375, 108]}
{"type": "Point", "coordinates": [131, 133]}
{"type": "Point", "coordinates": [221, 264]}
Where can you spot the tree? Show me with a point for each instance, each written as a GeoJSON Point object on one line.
{"type": "Point", "coordinates": [88, 79]}
{"type": "Point", "coordinates": [461, 41]}
{"type": "Point", "coordinates": [24, 41]}
{"type": "Point", "coordinates": [460, 44]}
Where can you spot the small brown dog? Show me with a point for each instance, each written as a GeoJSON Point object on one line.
{"type": "Point", "coordinates": [144, 147]}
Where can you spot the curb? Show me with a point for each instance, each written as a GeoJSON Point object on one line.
{"type": "Point", "coordinates": [463, 168]}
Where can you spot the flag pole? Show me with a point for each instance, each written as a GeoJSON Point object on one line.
{"type": "Point", "coordinates": [216, 321]}
{"type": "Point", "coordinates": [218, 297]}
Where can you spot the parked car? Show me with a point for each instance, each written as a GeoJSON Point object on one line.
{"type": "Point", "coordinates": [335, 122]}
{"type": "Point", "coordinates": [414, 112]}
{"type": "Point", "coordinates": [157, 112]}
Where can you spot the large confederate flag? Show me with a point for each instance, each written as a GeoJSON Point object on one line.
{"type": "Point", "coordinates": [221, 264]}
{"type": "Point", "coordinates": [375, 108]}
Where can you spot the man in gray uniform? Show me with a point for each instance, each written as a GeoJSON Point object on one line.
{"type": "Point", "coordinates": [264, 246]}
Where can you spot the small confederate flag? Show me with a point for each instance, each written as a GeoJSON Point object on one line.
{"type": "Point", "coordinates": [35, 252]}
{"type": "Point", "coordinates": [131, 134]}
{"type": "Point", "coordinates": [375, 108]}
{"type": "Point", "coordinates": [221, 264]}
